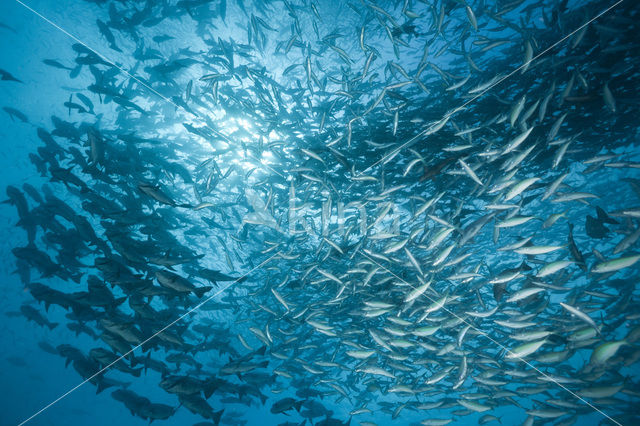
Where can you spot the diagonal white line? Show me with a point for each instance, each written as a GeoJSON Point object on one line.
{"type": "Point", "coordinates": [498, 344]}
{"type": "Point", "coordinates": [410, 141]}
{"type": "Point", "coordinates": [104, 58]}
{"type": "Point", "coordinates": [151, 89]}
{"type": "Point", "coordinates": [384, 158]}
{"type": "Point", "coordinates": [172, 323]}
{"type": "Point", "coordinates": [461, 107]}
{"type": "Point", "coordinates": [132, 76]}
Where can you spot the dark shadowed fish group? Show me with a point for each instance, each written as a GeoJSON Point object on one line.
{"type": "Point", "coordinates": [350, 212]}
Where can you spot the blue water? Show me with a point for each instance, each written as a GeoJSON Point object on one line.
{"type": "Point", "coordinates": [32, 379]}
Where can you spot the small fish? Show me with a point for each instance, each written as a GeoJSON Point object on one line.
{"type": "Point", "coordinates": [6, 76]}
{"type": "Point", "coordinates": [609, 100]}
{"type": "Point", "coordinates": [615, 264]}
{"type": "Point", "coordinates": [14, 113]}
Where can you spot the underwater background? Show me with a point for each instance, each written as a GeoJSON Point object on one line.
{"type": "Point", "coordinates": [319, 212]}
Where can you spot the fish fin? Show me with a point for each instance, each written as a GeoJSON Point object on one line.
{"type": "Point", "coordinates": [119, 301]}
{"type": "Point", "coordinates": [524, 266]}
{"type": "Point", "coordinates": [605, 218]}
{"type": "Point", "coordinates": [209, 389]}
{"type": "Point", "coordinates": [100, 386]}
{"type": "Point", "coordinates": [200, 291]}
{"type": "Point", "coordinates": [75, 71]}
{"type": "Point", "coordinates": [217, 415]}
{"type": "Point", "coordinates": [598, 329]}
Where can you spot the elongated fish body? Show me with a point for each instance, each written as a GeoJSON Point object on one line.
{"type": "Point", "coordinates": [615, 264]}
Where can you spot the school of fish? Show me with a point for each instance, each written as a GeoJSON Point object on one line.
{"type": "Point", "coordinates": [351, 212]}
